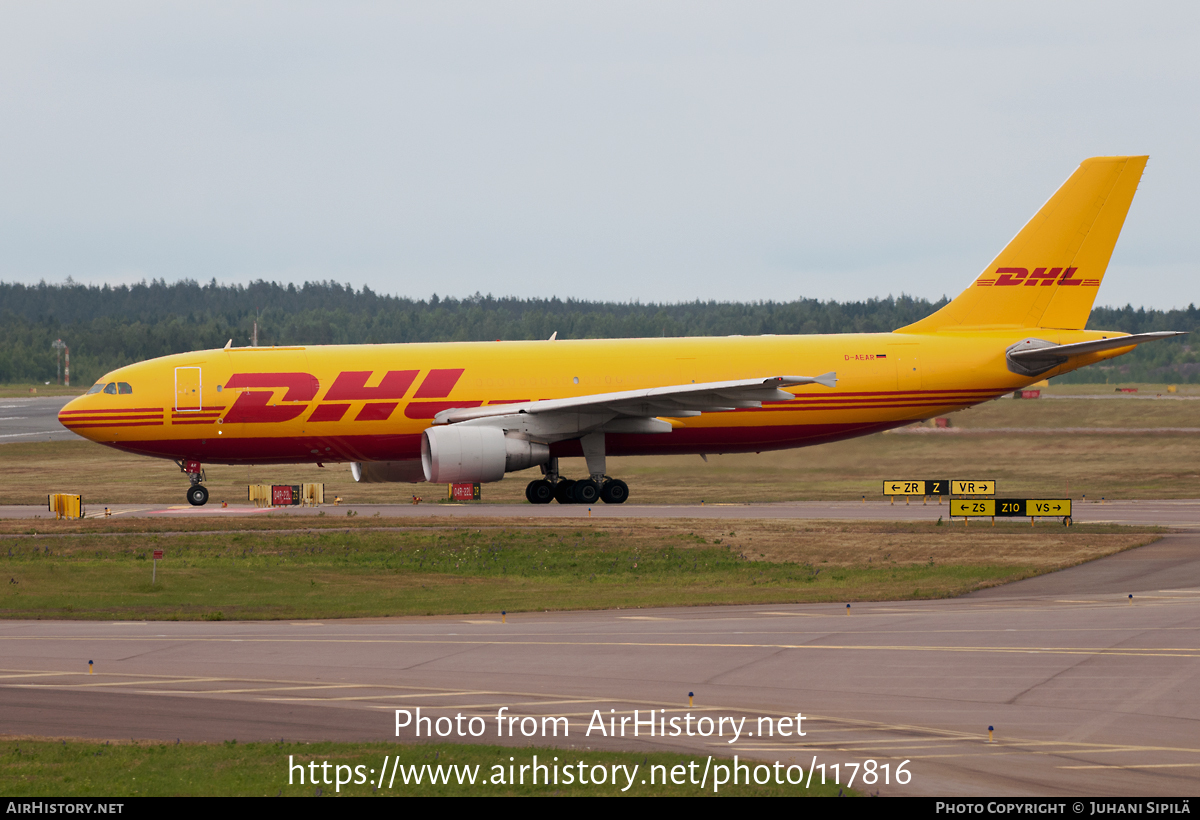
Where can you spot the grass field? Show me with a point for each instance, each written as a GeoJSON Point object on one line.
{"type": "Point", "coordinates": [333, 571]}
{"type": "Point", "coordinates": [26, 391]}
{"type": "Point", "coordinates": [32, 767]}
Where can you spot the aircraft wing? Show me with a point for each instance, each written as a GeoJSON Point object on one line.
{"type": "Point", "coordinates": [673, 402]}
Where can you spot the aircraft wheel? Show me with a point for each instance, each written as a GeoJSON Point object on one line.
{"type": "Point", "coordinates": [614, 491]}
{"type": "Point", "coordinates": [562, 491]}
{"type": "Point", "coordinates": [540, 491]}
{"type": "Point", "coordinates": [197, 496]}
{"type": "Point", "coordinates": [586, 491]}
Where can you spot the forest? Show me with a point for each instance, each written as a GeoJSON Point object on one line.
{"type": "Point", "coordinates": [107, 327]}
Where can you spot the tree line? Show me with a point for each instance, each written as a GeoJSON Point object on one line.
{"type": "Point", "coordinates": [108, 327]}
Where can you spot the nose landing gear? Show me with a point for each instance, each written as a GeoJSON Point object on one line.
{"type": "Point", "coordinates": [197, 494]}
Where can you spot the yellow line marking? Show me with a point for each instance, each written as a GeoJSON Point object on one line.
{"type": "Point", "coordinates": [643, 618]}
{"type": "Point", "coordinates": [320, 686]}
{"type": "Point", "coordinates": [96, 684]}
{"type": "Point", "coordinates": [1136, 766]}
{"type": "Point", "coordinates": [41, 675]}
{"type": "Point", "coordinates": [1157, 652]}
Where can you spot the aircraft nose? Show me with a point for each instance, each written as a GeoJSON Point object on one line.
{"type": "Point", "coordinates": [73, 414]}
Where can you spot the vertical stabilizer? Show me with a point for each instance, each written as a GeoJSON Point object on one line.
{"type": "Point", "coordinates": [1049, 274]}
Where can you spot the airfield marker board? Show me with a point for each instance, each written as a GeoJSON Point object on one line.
{"type": "Point", "coordinates": [977, 487]}
{"type": "Point", "coordinates": [1011, 507]}
{"type": "Point", "coordinates": [916, 486]}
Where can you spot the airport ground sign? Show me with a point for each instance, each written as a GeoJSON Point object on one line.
{"type": "Point", "coordinates": [939, 486]}
{"type": "Point", "coordinates": [1011, 507]}
{"type": "Point", "coordinates": [985, 487]}
{"type": "Point", "coordinates": [916, 486]}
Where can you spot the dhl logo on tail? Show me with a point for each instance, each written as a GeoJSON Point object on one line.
{"type": "Point", "coordinates": [1008, 277]}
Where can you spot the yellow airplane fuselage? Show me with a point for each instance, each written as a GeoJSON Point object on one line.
{"type": "Point", "coordinates": [339, 403]}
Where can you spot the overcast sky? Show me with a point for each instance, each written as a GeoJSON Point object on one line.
{"type": "Point", "coordinates": [651, 151]}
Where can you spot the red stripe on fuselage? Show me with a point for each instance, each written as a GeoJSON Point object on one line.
{"type": "Point", "coordinates": [74, 426]}
{"type": "Point", "coordinates": [131, 417]}
{"type": "Point", "coordinates": [112, 410]}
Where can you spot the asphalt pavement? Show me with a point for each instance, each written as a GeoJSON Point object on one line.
{"type": "Point", "coordinates": [1088, 692]}
{"type": "Point", "coordinates": [33, 419]}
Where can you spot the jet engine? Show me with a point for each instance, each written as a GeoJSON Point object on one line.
{"type": "Point", "coordinates": [377, 472]}
{"type": "Point", "coordinates": [465, 453]}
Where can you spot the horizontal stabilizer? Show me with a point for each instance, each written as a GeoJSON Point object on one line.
{"type": "Point", "coordinates": [1030, 357]}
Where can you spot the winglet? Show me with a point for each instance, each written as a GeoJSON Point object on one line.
{"type": "Point", "coordinates": [827, 379]}
{"type": "Point", "coordinates": [229, 344]}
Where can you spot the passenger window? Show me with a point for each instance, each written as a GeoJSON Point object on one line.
{"type": "Point", "coordinates": [95, 388]}
{"type": "Point", "coordinates": [111, 388]}
{"type": "Point", "coordinates": [124, 387]}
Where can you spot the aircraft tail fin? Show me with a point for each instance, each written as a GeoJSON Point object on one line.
{"type": "Point", "coordinates": [1049, 274]}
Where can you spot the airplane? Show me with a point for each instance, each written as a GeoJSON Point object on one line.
{"type": "Point", "coordinates": [475, 411]}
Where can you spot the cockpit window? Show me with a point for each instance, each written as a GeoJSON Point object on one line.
{"type": "Point", "coordinates": [95, 388]}
{"type": "Point", "coordinates": [124, 387]}
{"type": "Point", "coordinates": [111, 388]}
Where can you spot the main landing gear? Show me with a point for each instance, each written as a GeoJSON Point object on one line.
{"type": "Point", "coordinates": [597, 487]}
{"type": "Point", "coordinates": [197, 494]}
{"type": "Point", "coordinates": [585, 491]}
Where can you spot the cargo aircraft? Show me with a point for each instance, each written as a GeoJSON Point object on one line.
{"type": "Point", "coordinates": [474, 411]}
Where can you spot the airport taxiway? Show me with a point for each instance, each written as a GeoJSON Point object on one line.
{"type": "Point", "coordinates": [1180, 513]}
{"type": "Point", "coordinates": [33, 419]}
{"type": "Point", "coordinates": [1088, 693]}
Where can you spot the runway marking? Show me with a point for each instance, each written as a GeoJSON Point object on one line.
{"type": "Point", "coordinates": [1156, 652]}
{"type": "Point", "coordinates": [319, 686]}
{"type": "Point", "coordinates": [459, 706]}
{"type": "Point", "coordinates": [643, 618]}
{"type": "Point", "coordinates": [1135, 766]}
{"type": "Point", "coordinates": [111, 514]}
{"type": "Point", "coordinates": [369, 697]}
{"type": "Point", "coordinates": [38, 675]}
{"type": "Point", "coordinates": [96, 684]}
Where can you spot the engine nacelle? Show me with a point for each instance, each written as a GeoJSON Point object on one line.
{"type": "Point", "coordinates": [466, 453]}
{"type": "Point", "coordinates": [378, 472]}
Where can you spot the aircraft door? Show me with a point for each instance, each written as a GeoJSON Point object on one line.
{"type": "Point", "coordinates": [188, 388]}
{"type": "Point", "coordinates": [908, 366]}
